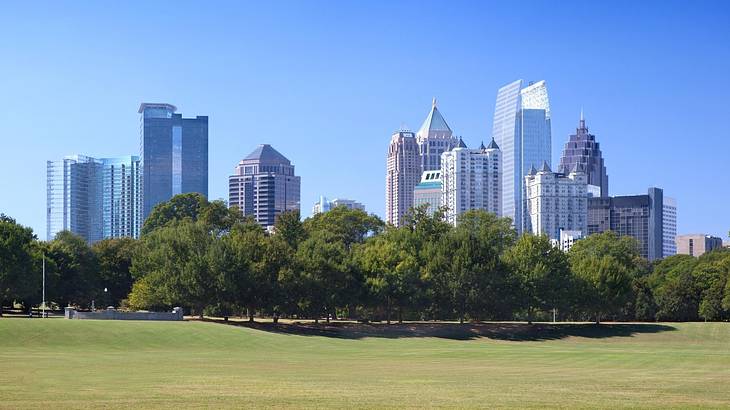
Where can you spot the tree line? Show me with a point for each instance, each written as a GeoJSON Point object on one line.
{"type": "Point", "coordinates": [347, 264]}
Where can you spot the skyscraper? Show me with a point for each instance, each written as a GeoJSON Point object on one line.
{"type": "Point", "coordinates": [582, 149]}
{"type": "Point", "coordinates": [174, 153]}
{"type": "Point", "coordinates": [556, 202]}
{"type": "Point", "coordinates": [521, 128]}
{"type": "Point", "coordinates": [669, 224]}
{"type": "Point", "coordinates": [471, 180]}
{"type": "Point", "coordinates": [403, 171]}
{"type": "Point", "coordinates": [434, 138]}
{"type": "Point", "coordinates": [264, 185]}
{"type": "Point", "coordinates": [73, 197]}
{"type": "Point", "coordinates": [639, 216]}
{"type": "Point", "coordinates": [94, 198]}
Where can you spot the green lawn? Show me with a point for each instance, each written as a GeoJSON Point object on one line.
{"type": "Point", "coordinates": [58, 363]}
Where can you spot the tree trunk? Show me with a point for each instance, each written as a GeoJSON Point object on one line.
{"type": "Point", "coordinates": [529, 315]}
{"type": "Point", "coordinates": [316, 320]}
{"type": "Point", "coordinates": [400, 314]}
{"type": "Point", "coordinates": [387, 310]}
{"type": "Point", "coordinates": [598, 318]}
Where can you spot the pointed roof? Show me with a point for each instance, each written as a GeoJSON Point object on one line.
{"type": "Point", "coordinates": [545, 167]}
{"type": "Point", "coordinates": [266, 153]}
{"type": "Point", "coordinates": [493, 144]}
{"type": "Point", "coordinates": [434, 122]}
{"type": "Point", "coordinates": [482, 147]}
{"type": "Point", "coordinates": [532, 171]}
{"type": "Point", "coordinates": [577, 167]}
{"type": "Point", "coordinates": [461, 143]}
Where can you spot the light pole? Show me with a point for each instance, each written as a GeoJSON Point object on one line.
{"type": "Point", "coordinates": [44, 285]}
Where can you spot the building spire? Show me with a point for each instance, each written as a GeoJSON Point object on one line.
{"type": "Point", "coordinates": [582, 124]}
{"type": "Point", "coordinates": [433, 103]}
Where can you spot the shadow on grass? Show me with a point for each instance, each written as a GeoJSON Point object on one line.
{"type": "Point", "coordinates": [468, 331]}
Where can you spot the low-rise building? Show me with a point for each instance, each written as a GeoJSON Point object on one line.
{"type": "Point", "coordinates": [697, 244]}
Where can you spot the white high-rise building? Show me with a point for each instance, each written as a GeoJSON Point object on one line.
{"type": "Point", "coordinates": [521, 128]}
{"type": "Point", "coordinates": [403, 172]}
{"type": "Point", "coordinates": [323, 205]}
{"type": "Point", "coordinates": [556, 201]}
{"type": "Point", "coordinates": [669, 226]}
{"type": "Point", "coordinates": [471, 180]}
{"type": "Point", "coordinates": [567, 239]}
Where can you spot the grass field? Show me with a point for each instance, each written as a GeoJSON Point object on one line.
{"type": "Point", "coordinates": [58, 363]}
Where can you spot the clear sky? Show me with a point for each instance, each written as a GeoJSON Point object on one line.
{"type": "Point", "coordinates": [326, 83]}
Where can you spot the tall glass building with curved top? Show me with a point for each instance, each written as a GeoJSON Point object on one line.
{"type": "Point", "coordinates": [174, 153]}
{"type": "Point", "coordinates": [521, 128]}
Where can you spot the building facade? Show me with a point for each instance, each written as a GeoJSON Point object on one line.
{"type": "Point", "coordinates": [638, 216]}
{"type": "Point", "coordinates": [94, 198]}
{"type": "Point", "coordinates": [324, 205]}
{"type": "Point", "coordinates": [434, 138]}
{"type": "Point", "coordinates": [567, 239]}
{"type": "Point", "coordinates": [264, 185]}
{"type": "Point", "coordinates": [697, 244]}
{"type": "Point", "coordinates": [471, 180]}
{"type": "Point", "coordinates": [428, 191]}
{"type": "Point", "coordinates": [582, 149]}
{"type": "Point", "coordinates": [521, 128]}
{"type": "Point", "coordinates": [174, 154]}
{"type": "Point", "coordinates": [669, 225]}
{"type": "Point", "coordinates": [402, 173]}
{"type": "Point", "coordinates": [556, 202]}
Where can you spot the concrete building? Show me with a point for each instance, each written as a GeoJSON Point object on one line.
{"type": "Point", "coordinates": [174, 154]}
{"type": "Point", "coordinates": [324, 205]}
{"type": "Point", "coordinates": [697, 244]}
{"type": "Point", "coordinates": [582, 149]}
{"type": "Point", "coordinates": [521, 128]}
{"type": "Point", "coordinates": [403, 172]}
{"type": "Point", "coordinates": [638, 216]}
{"type": "Point", "coordinates": [471, 180]}
{"type": "Point", "coordinates": [556, 202]}
{"type": "Point", "coordinates": [669, 225]}
{"type": "Point", "coordinates": [428, 191]}
{"type": "Point", "coordinates": [434, 138]}
{"type": "Point", "coordinates": [95, 198]}
{"type": "Point", "coordinates": [264, 185]}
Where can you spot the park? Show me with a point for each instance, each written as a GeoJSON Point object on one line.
{"type": "Point", "coordinates": [91, 364]}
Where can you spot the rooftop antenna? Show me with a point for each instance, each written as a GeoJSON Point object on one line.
{"type": "Point", "coordinates": [433, 103]}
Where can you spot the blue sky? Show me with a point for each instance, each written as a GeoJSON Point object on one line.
{"type": "Point", "coordinates": [326, 83]}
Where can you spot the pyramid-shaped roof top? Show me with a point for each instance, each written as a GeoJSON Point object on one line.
{"type": "Point", "coordinates": [493, 144]}
{"type": "Point", "coordinates": [434, 122]}
{"type": "Point", "coordinates": [266, 153]}
{"type": "Point", "coordinates": [545, 167]}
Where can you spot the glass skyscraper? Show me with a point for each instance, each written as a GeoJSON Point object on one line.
{"type": "Point", "coordinates": [521, 128]}
{"type": "Point", "coordinates": [93, 198]}
{"type": "Point", "coordinates": [582, 149]}
{"type": "Point", "coordinates": [174, 153]}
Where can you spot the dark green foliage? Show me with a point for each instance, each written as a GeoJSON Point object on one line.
{"type": "Point", "coordinates": [192, 207]}
{"type": "Point", "coordinates": [115, 260]}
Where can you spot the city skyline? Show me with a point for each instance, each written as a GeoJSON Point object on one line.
{"type": "Point", "coordinates": [242, 115]}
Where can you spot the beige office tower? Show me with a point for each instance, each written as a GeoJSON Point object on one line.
{"type": "Point", "coordinates": [697, 244]}
{"type": "Point", "coordinates": [434, 138]}
{"type": "Point", "coordinates": [403, 173]}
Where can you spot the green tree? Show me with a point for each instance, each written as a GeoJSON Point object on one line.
{"type": "Point", "coordinates": [541, 274]}
{"type": "Point", "coordinates": [77, 271]}
{"type": "Point", "coordinates": [604, 265]}
{"type": "Point", "coordinates": [192, 207]}
{"type": "Point", "coordinates": [176, 263]}
{"type": "Point", "coordinates": [349, 226]}
{"type": "Point", "coordinates": [115, 260]}
{"type": "Point", "coordinates": [20, 262]}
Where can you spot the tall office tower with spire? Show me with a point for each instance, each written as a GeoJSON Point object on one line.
{"type": "Point", "coordinates": [403, 171]}
{"type": "Point", "coordinates": [582, 149]}
{"type": "Point", "coordinates": [264, 185]}
{"type": "Point", "coordinates": [471, 180]}
{"type": "Point", "coordinates": [174, 154]}
{"type": "Point", "coordinates": [521, 128]}
{"type": "Point", "coordinates": [434, 138]}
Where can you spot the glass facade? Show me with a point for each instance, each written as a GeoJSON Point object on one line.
{"type": "Point", "coordinates": [522, 130]}
{"type": "Point", "coordinates": [93, 198]}
{"type": "Point", "coordinates": [174, 154]}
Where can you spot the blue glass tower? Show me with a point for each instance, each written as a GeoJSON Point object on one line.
{"type": "Point", "coordinates": [174, 154]}
{"type": "Point", "coordinates": [521, 128]}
